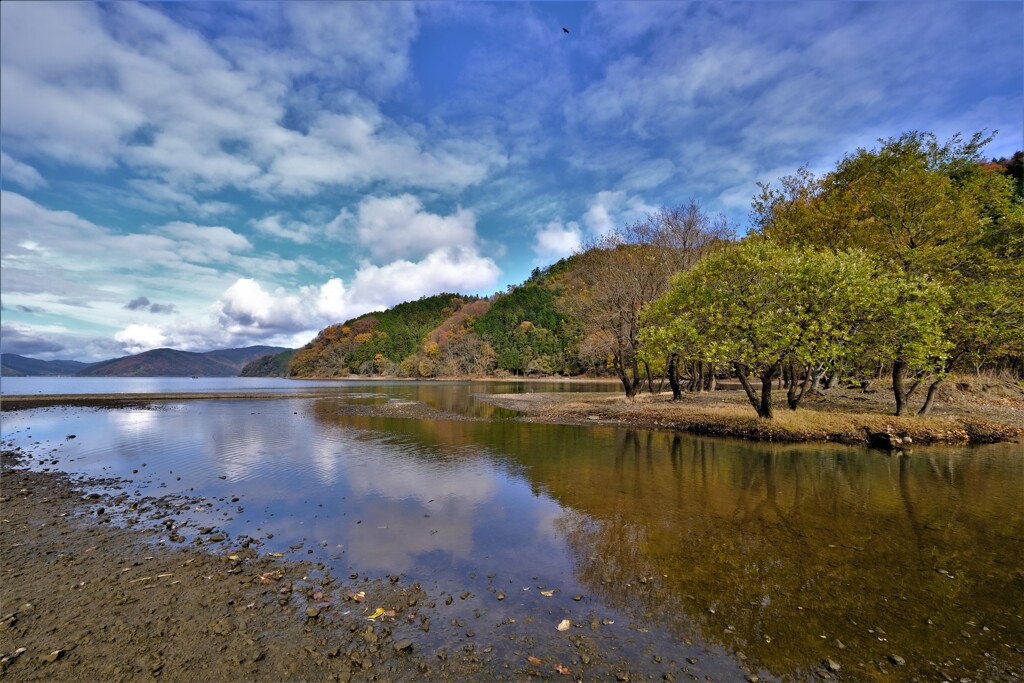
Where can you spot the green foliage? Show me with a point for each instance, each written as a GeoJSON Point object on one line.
{"type": "Point", "coordinates": [919, 207]}
{"type": "Point", "coordinates": [271, 365]}
{"type": "Point", "coordinates": [393, 335]}
{"type": "Point", "coordinates": [527, 331]}
{"type": "Point", "coordinates": [759, 305]}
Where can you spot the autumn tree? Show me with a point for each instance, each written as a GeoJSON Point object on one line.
{"type": "Point", "coordinates": [619, 273]}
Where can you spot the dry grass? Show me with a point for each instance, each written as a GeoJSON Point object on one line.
{"type": "Point", "coordinates": [971, 415]}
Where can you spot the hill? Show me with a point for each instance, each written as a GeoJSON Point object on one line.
{"type": "Point", "coordinates": [270, 365]}
{"type": "Point", "coordinates": [528, 330]}
{"type": "Point", "coordinates": [13, 365]}
{"type": "Point", "coordinates": [174, 363]}
{"type": "Point", "coordinates": [519, 332]}
{"type": "Point", "coordinates": [375, 343]}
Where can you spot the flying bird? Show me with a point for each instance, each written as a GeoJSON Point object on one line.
{"type": "Point", "coordinates": [565, 30]}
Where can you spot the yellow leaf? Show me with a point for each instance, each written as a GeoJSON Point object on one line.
{"type": "Point", "coordinates": [377, 613]}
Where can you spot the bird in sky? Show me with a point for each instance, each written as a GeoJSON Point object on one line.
{"type": "Point", "coordinates": [565, 30]}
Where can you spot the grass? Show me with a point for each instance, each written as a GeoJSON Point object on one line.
{"type": "Point", "coordinates": [843, 416]}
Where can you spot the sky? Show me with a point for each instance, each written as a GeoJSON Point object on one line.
{"type": "Point", "coordinates": [205, 176]}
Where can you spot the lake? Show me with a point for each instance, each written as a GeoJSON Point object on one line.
{"type": "Point", "coordinates": [669, 547]}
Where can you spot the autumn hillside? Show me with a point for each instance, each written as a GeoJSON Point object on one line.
{"type": "Point", "coordinates": [522, 331]}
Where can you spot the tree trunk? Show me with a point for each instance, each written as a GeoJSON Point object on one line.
{"type": "Point", "coordinates": [762, 406]}
{"type": "Point", "coordinates": [673, 376]}
{"type": "Point", "coordinates": [929, 397]}
{"type": "Point", "coordinates": [710, 381]}
{"type": "Point", "coordinates": [650, 379]}
{"type": "Point", "coordinates": [766, 391]}
{"type": "Point", "coordinates": [796, 392]}
{"type": "Point", "coordinates": [816, 374]}
{"type": "Point", "coordinates": [630, 386]}
{"type": "Point", "coordinates": [741, 373]}
{"type": "Point", "coordinates": [899, 386]}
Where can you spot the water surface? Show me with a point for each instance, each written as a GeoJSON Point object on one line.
{"type": "Point", "coordinates": [732, 554]}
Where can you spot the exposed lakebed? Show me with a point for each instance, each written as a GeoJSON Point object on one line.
{"type": "Point", "coordinates": [666, 553]}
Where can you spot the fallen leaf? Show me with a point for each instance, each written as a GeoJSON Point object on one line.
{"type": "Point", "coordinates": [547, 594]}
{"type": "Point", "coordinates": [377, 613]}
{"type": "Point", "coordinates": [318, 595]}
{"type": "Point", "coordinates": [564, 625]}
{"type": "Point", "coordinates": [277, 554]}
{"type": "Point", "coordinates": [533, 660]}
{"type": "Point", "coordinates": [357, 597]}
{"type": "Point", "coordinates": [564, 670]}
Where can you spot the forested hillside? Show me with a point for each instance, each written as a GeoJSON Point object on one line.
{"type": "Point", "coordinates": [519, 332]}
{"type": "Point", "coordinates": [528, 329]}
{"type": "Point", "coordinates": [271, 365]}
{"type": "Point", "coordinates": [375, 343]}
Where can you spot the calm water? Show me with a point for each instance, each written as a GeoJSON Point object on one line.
{"type": "Point", "coordinates": [779, 557]}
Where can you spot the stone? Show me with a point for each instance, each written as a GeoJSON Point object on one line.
{"type": "Point", "coordinates": [52, 657]}
{"type": "Point", "coordinates": [883, 440]}
{"type": "Point", "coordinates": [897, 660]}
{"type": "Point", "coordinates": [403, 646]}
{"type": "Point", "coordinates": [832, 665]}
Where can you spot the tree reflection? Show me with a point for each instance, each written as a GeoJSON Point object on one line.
{"type": "Point", "coordinates": [788, 554]}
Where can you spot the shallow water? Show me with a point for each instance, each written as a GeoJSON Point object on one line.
{"type": "Point", "coordinates": [776, 558]}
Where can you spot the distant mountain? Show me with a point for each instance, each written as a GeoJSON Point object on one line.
{"type": "Point", "coordinates": [13, 365]}
{"type": "Point", "coordinates": [173, 363]}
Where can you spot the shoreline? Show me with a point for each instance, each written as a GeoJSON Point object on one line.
{"type": "Point", "coordinates": [86, 598]}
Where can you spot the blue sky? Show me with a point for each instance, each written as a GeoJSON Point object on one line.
{"type": "Point", "coordinates": [216, 175]}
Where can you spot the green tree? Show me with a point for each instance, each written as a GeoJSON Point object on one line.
{"type": "Point", "coordinates": [759, 306]}
{"type": "Point", "coordinates": [919, 208]}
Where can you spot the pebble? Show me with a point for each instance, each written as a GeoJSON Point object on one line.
{"type": "Point", "coordinates": [53, 656]}
{"type": "Point", "coordinates": [312, 612]}
{"type": "Point", "coordinates": [897, 660]}
{"type": "Point", "coordinates": [403, 646]}
{"type": "Point", "coordinates": [832, 665]}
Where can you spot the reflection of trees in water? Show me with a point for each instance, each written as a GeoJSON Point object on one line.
{"type": "Point", "coordinates": [783, 542]}
{"type": "Point", "coordinates": [787, 544]}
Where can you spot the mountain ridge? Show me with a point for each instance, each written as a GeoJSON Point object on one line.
{"type": "Point", "coordinates": [164, 362]}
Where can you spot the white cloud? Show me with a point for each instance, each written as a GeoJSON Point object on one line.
{"type": "Point", "coordinates": [139, 338]}
{"type": "Point", "coordinates": [17, 172]}
{"type": "Point", "coordinates": [609, 210]}
{"type": "Point", "coordinates": [97, 86]}
{"type": "Point", "coordinates": [302, 232]}
{"type": "Point", "coordinates": [451, 269]}
{"type": "Point", "coordinates": [398, 227]}
{"type": "Point", "coordinates": [556, 240]}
